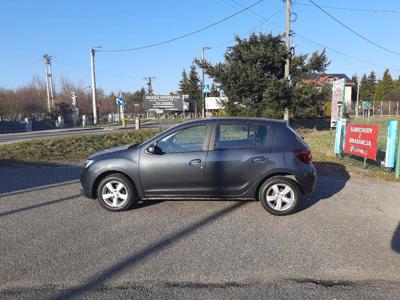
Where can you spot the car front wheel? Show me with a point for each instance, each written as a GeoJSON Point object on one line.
{"type": "Point", "coordinates": [279, 195]}
{"type": "Point", "coordinates": [116, 193]}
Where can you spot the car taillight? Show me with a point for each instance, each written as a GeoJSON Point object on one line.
{"type": "Point", "coordinates": [304, 155]}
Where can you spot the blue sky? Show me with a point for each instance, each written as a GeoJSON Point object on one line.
{"type": "Point", "coordinates": [68, 29]}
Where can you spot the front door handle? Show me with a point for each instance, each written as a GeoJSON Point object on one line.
{"type": "Point", "coordinates": [259, 160]}
{"type": "Point", "coordinates": [195, 162]}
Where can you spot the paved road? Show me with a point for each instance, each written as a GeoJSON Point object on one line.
{"type": "Point", "coordinates": [23, 136]}
{"type": "Point", "coordinates": [343, 244]}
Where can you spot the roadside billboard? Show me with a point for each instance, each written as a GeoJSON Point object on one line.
{"type": "Point", "coordinates": [362, 140]}
{"type": "Point", "coordinates": [215, 103]}
{"type": "Point", "coordinates": [164, 102]}
{"type": "Point", "coordinates": [338, 90]}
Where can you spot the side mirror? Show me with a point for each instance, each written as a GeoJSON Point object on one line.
{"type": "Point", "coordinates": [153, 150]}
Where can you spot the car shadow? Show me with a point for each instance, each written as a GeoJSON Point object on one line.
{"type": "Point", "coordinates": [331, 179]}
{"type": "Point", "coordinates": [18, 176]}
{"type": "Point", "coordinates": [396, 240]}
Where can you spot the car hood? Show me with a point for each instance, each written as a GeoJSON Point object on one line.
{"type": "Point", "coordinates": [111, 151]}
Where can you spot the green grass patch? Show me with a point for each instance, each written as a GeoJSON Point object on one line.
{"type": "Point", "coordinates": [73, 149]}
{"type": "Point", "coordinates": [322, 144]}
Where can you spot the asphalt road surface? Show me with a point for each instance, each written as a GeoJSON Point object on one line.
{"type": "Point", "coordinates": [24, 136]}
{"type": "Point", "coordinates": [55, 244]}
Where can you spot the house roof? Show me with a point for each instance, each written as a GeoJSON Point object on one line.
{"type": "Point", "coordinates": [320, 79]}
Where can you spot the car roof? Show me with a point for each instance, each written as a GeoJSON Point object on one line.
{"type": "Point", "coordinates": [234, 119]}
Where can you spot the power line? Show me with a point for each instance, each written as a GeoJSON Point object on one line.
{"type": "Point", "coordinates": [252, 29]}
{"type": "Point", "coordinates": [353, 31]}
{"type": "Point", "coordinates": [184, 35]}
{"type": "Point", "coordinates": [315, 42]}
{"type": "Point", "coordinates": [393, 11]}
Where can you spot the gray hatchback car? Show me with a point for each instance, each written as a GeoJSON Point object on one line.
{"type": "Point", "coordinates": [218, 158]}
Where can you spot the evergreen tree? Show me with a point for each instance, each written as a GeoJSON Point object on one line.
{"type": "Point", "coordinates": [252, 77]}
{"type": "Point", "coordinates": [194, 89]}
{"type": "Point", "coordinates": [367, 86]}
{"type": "Point", "coordinates": [184, 84]}
{"type": "Point", "coordinates": [214, 91]}
{"type": "Point", "coordinates": [384, 88]}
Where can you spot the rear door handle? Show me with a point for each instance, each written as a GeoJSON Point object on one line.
{"type": "Point", "coordinates": [259, 160]}
{"type": "Point", "coordinates": [195, 162]}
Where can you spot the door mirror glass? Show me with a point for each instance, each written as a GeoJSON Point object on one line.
{"type": "Point", "coordinates": [152, 149]}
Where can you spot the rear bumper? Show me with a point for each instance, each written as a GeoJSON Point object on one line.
{"type": "Point", "coordinates": [307, 180]}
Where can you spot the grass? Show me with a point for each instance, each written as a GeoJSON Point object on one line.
{"type": "Point", "coordinates": [322, 143]}
{"type": "Point", "coordinates": [73, 149]}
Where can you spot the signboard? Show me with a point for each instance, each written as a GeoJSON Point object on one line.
{"type": "Point", "coordinates": [214, 103]}
{"type": "Point", "coordinates": [120, 101]}
{"type": "Point", "coordinates": [362, 140]}
{"type": "Point", "coordinates": [206, 89]}
{"type": "Point", "coordinates": [366, 104]}
{"type": "Point", "coordinates": [164, 102]}
{"type": "Point", "coordinates": [338, 89]}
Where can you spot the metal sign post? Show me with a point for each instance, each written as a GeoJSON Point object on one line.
{"type": "Point", "coordinates": [121, 103]}
{"type": "Point", "coordinates": [397, 166]}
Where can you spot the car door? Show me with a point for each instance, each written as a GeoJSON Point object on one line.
{"type": "Point", "coordinates": [177, 168]}
{"type": "Point", "coordinates": [239, 153]}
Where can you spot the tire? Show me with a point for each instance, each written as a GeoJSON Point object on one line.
{"type": "Point", "coordinates": [116, 193]}
{"type": "Point", "coordinates": [278, 203]}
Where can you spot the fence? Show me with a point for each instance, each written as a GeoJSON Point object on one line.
{"type": "Point", "coordinates": [378, 108]}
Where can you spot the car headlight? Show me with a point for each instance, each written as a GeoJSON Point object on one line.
{"type": "Point", "coordinates": [88, 163]}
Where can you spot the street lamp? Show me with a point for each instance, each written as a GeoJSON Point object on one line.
{"type": "Point", "coordinates": [92, 52]}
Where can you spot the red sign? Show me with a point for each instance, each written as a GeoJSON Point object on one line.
{"type": "Point", "coordinates": [362, 140]}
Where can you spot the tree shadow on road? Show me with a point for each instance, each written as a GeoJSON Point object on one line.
{"type": "Point", "coordinates": [16, 175]}
{"type": "Point", "coordinates": [396, 240]}
{"type": "Point", "coordinates": [152, 249]}
{"type": "Point", "coordinates": [332, 178]}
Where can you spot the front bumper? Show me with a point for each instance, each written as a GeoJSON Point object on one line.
{"type": "Point", "coordinates": [86, 183]}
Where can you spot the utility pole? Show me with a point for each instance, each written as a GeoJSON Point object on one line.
{"type": "Point", "coordinates": [149, 80]}
{"type": "Point", "coordinates": [287, 44]}
{"type": "Point", "coordinates": [92, 52]}
{"type": "Point", "coordinates": [203, 60]}
{"type": "Point", "coordinates": [287, 38]}
{"type": "Point", "coordinates": [49, 81]}
{"type": "Point", "coordinates": [358, 96]}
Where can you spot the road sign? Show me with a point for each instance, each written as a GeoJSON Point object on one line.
{"type": "Point", "coordinates": [366, 104]}
{"type": "Point", "coordinates": [120, 101]}
{"type": "Point", "coordinates": [206, 89]}
{"type": "Point", "coordinates": [362, 140]}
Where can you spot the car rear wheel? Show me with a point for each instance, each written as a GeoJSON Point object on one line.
{"type": "Point", "coordinates": [116, 193]}
{"type": "Point", "coordinates": [279, 195]}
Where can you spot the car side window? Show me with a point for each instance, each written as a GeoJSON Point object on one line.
{"type": "Point", "coordinates": [187, 140]}
{"type": "Point", "coordinates": [239, 136]}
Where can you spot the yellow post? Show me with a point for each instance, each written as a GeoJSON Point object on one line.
{"type": "Point", "coordinates": [123, 116]}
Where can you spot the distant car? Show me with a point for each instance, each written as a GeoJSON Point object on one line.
{"type": "Point", "coordinates": [218, 158]}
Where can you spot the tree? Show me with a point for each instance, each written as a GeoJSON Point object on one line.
{"type": "Point", "coordinates": [194, 89]}
{"type": "Point", "coordinates": [134, 101]}
{"type": "Point", "coordinates": [184, 84]}
{"type": "Point", "coordinates": [368, 86]}
{"type": "Point", "coordinates": [214, 91]}
{"type": "Point", "coordinates": [252, 77]}
{"type": "Point", "coordinates": [385, 87]}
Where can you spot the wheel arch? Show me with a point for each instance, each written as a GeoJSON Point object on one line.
{"type": "Point", "coordinates": [103, 175]}
{"type": "Point", "coordinates": [282, 173]}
